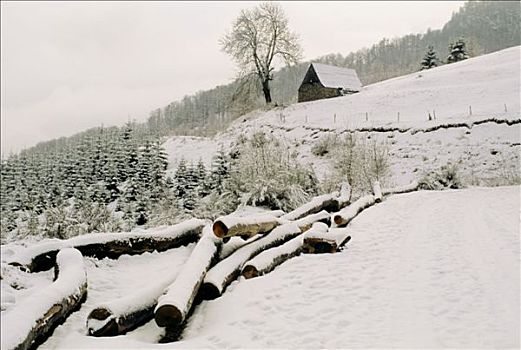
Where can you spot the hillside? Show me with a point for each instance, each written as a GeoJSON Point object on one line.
{"type": "Point", "coordinates": [486, 26]}
{"type": "Point", "coordinates": [486, 84]}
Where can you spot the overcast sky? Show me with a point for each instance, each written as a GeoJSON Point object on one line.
{"type": "Point", "coordinates": [69, 66]}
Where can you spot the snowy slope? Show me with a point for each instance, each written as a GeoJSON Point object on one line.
{"type": "Point", "coordinates": [486, 84]}
{"type": "Point", "coordinates": [423, 270]}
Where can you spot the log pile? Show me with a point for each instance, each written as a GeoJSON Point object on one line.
{"type": "Point", "coordinates": [227, 270]}
{"type": "Point", "coordinates": [29, 324]}
{"type": "Point", "coordinates": [266, 261]}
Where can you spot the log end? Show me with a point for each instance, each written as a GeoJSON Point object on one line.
{"type": "Point", "coordinates": [219, 229]}
{"type": "Point", "coordinates": [250, 271]}
{"type": "Point", "coordinates": [208, 291]}
{"type": "Point", "coordinates": [168, 316]}
{"type": "Point", "coordinates": [338, 220]}
{"type": "Point", "coordinates": [110, 329]}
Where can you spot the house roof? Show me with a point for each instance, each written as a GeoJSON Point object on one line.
{"type": "Point", "coordinates": [337, 77]}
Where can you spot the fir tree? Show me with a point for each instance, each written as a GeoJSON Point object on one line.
{"type": "Point", "coordinates": [457, 51]}
{"type": "Point", "coordinates": [430, 60]}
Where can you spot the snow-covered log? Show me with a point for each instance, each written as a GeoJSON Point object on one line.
{"type": "Point", "coordinates": [347, 214]}
{"type": "Point", "coordinates": [413, 186]}
{"type": "Point", "coordinates": [244, 226]}
{"type": "Point", "coordinates": [233, 244]}
{"type": "Point", "coordinates": [377, 191]}
{"type": "Point", "coordinates": [121, 315]}
{"type": "Point", "coordinates": [306, 222]}
{"type": "Point", "coordinates": [31, 322]}
{"type": "Point", "coordinates": [42, 257]}
{"type": "Point", "coordinates": [222, 274]}
{"type": "Point", "coordinates": [316, 241]}
{"type": "Point", "coordinates": [327, 202]}
{"type": "Point", "coordinates": [269, 259]}
{"type": "Point", "coordinates": [175, 304]}
{"type": "Point", "coordinates": [345, 195]}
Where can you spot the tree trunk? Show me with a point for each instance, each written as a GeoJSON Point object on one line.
{"type": "Point", "coordinates": [347, 214]}
{"type": "Point", "coordinates": [326, 242]}
{"type": "Point", "coordinates": [111, 245]}
{"type": "Point", "coordinates": [31, 323]}
{"type": "Point", "coordinates": [266, 91]}
{"type": "Point", "coordinates": [227, 270]}
{"type": "Point", "coordinates": [175, 304]}
{"type": "Point", "coordinates": [327, 202]}
{"type": "Point", "coordinates": [246, 226]}
{"type": "Point", "coordinates": [413, 186]}
{"type": "Point", "coordinates": [377, 191]}
{"type": "Point", "coordinates": [305, 223]}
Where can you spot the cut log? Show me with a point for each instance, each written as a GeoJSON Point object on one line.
{"type": "Point", "coordinates": [347, 214]}
{"type": "Point", "coordinates": [306, 223]}
{"type": "Point", "coordinates": [413, 186]}
{"type": "Point", "coordinates": [267, 260]}
{"type": "Point", "coordinates": [325, 242]}
{"type": "Point", "coordinates": [29, 323]}
{"type": "Point", "coordinates": [245, 226]}
{"type": "Point", "coordinates": [233, 244]}
{"type": "Point", "coordinates": [222, 274]}
{"type": "Point", "coordinates": [377, 191]}
{"type": "Point", "coordinates": [327, 202]}
{"type": "Point", "coordinates": [121, 315]}
{"type": "Point", "coordinates": [42, 257]}
{"type": "Point", "coordinates": [175, 304]}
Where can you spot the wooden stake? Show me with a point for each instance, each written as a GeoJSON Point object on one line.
{"type": "Point", "coordinates": [366, 116]}
{"type": "Point", "coordinates": [470, 110]}
{"type": "Point", "coordinates": [434, 114]}
{"type": "Point", "coordinates": [334, 118]}
{"type": "Point", "coordinates": [506, 108]}
{"type": "Point", "coordinates": [398, 117]}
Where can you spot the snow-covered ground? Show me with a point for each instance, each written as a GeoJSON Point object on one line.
{"type": "Point", "coordinates": [423, 270]}
{"type": "Point", "coordinates": [486, 84]}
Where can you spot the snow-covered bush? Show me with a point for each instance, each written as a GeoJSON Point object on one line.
{"type": "Point", "coordinates": [359, 162]}
{"type": "Point", "coordinates": [267, 174]}
{"type": "Point", "coordinates": [445, 177]}
{"type": "Point", "coordinates": [324, 145]}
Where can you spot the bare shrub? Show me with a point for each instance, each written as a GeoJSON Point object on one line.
{"type": "Point", "coordinates": [447, 176]}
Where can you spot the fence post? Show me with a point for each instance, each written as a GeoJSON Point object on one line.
{"type": "Point", "coordinates": [334, 118]}
{"type": "Point", "coordinates": [366, 116]}
{"type": "Point", "coordinates": [398, 117]}
{"type": "Point", "coordinates": [470, 110]}
{"type": "Point", "coordinates": [506, 108]}
{"type": "Point", "coordinates": [434, 114]}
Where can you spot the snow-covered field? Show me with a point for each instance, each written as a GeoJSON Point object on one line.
{"type": "Point", "coordinates": [423, 270]}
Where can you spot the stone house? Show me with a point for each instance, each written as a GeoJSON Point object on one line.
{"type": "Point", "coordinates": [324, 81]}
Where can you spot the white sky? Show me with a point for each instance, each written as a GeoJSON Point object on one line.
{"type": "Point", "coordinates": [69, 66]}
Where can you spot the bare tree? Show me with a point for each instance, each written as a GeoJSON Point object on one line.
{"type": "Point", "coordinates": [258, 37]}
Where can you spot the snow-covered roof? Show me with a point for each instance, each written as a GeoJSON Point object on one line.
{"type": "Point", "coordinates": [337, 77]}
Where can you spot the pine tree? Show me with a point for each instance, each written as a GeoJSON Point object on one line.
{"type": "Point", "coordinates": [457, 51]}
{"type": "Point", "coordinates": [430, 60]}
{"type": "Point", "coordinates": [180, 179]}
{"type": "Point", "coordinates": [220, 171]}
